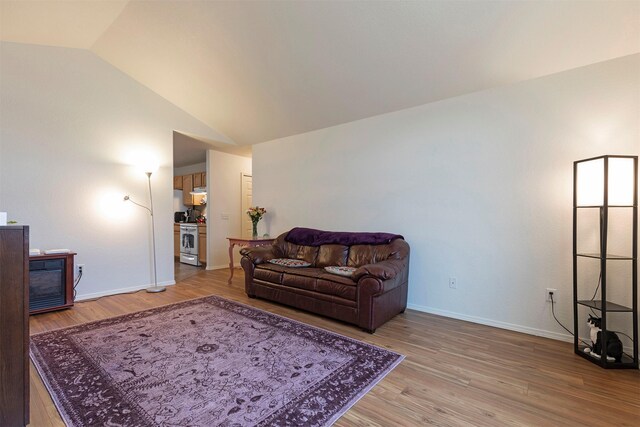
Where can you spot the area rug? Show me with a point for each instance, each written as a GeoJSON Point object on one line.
{"type": "Point", "coordinates": [205, 362]}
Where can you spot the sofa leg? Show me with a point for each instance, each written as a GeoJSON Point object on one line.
{"type": "Point", "coordinates": [371, 331]}
{"type": "Point", "coordinates": [251, 296]}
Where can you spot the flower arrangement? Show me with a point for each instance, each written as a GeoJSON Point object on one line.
{"type": "Point", "coordinates": [256, 213]}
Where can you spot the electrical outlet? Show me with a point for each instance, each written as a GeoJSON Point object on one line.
{"type": "Point", "coordinates": [453, 283]}
{"type": "Point", "coordinates": [80, 269]}
{"type": "Point", "coordinates": [547, 296]}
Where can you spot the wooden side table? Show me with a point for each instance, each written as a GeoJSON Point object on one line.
{"type": "Point", "coordinates": [238, 241]}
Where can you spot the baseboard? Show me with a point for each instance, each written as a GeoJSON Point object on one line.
{"type": "Point", "coordinates": [220, 267]}
{"type": "Point", "coordinates": [494, 323]}
{"type": "Point", "coordinates": [121, 291]}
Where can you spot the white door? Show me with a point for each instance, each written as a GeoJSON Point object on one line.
{"type": "Point", "coordinates": [247, 198]}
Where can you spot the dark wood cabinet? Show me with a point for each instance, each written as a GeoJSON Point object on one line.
{"type": "Point", "coordinates": [14, 326]}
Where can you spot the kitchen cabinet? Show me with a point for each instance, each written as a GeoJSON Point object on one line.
{"type": "Point", "coordinates": [187, 188]}
{"type": "Point", "coordinates": [197, 180]}
{"type": "Point", "coordinates": [176, 241]}
{"type": "Point", "coordinates": [187, 183]}
{"type": "Point", "coordinates": [202, 243]}
{"type": "Point", "coordinates": [177, 182]}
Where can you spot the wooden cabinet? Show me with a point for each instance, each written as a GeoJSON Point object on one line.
{"type": "Point", "coordinates": [197, 180]}
{"type": "Point", "coordinates": [176, 240]}
{"type": "Point", "coordinates": [14, 325]}
{"type": "Point", "coordinates": [177, 182]}
{"type": "Point", "coordinates": [197, 199]}
{"type": "Point", "coordinates": [202, 243]}
{"type": "Point", "coordinates": [187, 183]}
{"type": "Point", "coordinates": [187, 188]}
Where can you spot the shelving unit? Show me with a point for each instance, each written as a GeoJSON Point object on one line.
{"type": "Point", "coordinates": [619, 188]}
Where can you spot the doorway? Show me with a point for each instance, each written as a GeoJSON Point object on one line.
{"type": "Point", "coordinates": [247, 200]}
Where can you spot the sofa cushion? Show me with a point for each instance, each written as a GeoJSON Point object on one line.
{"type": "Point", "coordinates": [332, 255]}
{"type": "Point", "coordinates": [341, 270]}
{"type": "Point", "coordinates": [269, 273]}
{"type": "Point", "coordinates": [360, 255]}
{"type": "Point", "coordinates": [290, 250]}
{"type": "Point", "coordinates": [316, 280]}
{"type": "Point", "coordinates": [366, 254]}
{"type": "Point", "coordinates": [288, 262]}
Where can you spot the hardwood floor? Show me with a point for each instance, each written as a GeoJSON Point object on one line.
{"type": "Point", "coordinates": [455, 373]}
{"type": "Point", "coordinates": [184, 271]}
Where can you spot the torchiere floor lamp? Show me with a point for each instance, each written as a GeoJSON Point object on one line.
{"type": "Point", "coordinates": [155, 287]}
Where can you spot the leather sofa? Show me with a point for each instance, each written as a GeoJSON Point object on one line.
{"type": "Point", "coordinates": [375, 293]}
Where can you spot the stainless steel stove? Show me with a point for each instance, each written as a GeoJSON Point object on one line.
{"type": "Point", "coordinates": [189, 244]}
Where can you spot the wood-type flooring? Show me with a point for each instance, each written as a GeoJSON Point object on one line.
{"type": "Point", "coordinates": [455, 373]}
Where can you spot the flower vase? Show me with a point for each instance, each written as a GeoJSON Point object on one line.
{"type": "Point", "coordinates": [255, 229]}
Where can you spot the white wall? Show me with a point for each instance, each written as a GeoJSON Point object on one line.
{"type": "Point", "coordinates": [224, 199]}
{"type": "Point", "coordinates": [187, 170]}
{"type": "Point", "coordinates": [70, 124]}
{"type": "Point", "coordinates": [480, 186]}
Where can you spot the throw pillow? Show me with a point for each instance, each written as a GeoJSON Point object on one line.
{"type": "Point", "coordinates": [341, 271]}
{"type": "Point", "coordinates": [286, 262]}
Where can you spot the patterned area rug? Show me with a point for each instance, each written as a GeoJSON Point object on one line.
{"type": "Point", "coordinates": [205, 362]}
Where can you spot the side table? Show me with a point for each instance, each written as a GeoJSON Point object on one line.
{"type": "Point", "coordinates": [239, 241]}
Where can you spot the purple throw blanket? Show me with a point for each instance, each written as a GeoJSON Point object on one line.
{"type": "Point", "coordinates": [311, 237]}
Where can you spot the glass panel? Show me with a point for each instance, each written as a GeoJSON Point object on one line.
{"type": "Point", "coordinates": [590, 183]}
{"type": "Point", "coordinates": [620, 181]}
{"type": "Point", "coordinates": [588, 227]}
{"type": "Point", "coordinates": [619, 232]}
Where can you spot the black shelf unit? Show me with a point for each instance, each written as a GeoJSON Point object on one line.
{"type": "Point", "coordinates": [603, 305]}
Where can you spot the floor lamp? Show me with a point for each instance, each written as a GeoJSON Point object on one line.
{"type": "Point", "coordinates": [155, 287]}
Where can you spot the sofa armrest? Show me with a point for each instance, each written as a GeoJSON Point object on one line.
{"type": "Point", "coordinates": [258, 254]}
{"type": "Point", "coordinates": [383, 270]}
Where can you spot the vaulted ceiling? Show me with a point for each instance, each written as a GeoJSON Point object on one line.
{"type": "Point", "coordinates": [259, 70]}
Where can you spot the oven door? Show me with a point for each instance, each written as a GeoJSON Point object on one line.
{"type": "Point", "coordinates": [189, 240]}
{"type": "Point", "coordinates": [189, 259]}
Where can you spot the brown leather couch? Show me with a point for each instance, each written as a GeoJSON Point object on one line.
{"type": "Point", "coordinates": [375, 293]}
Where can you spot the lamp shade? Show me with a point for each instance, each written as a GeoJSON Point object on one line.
{"type": "Point", "coordinates": [149, 165]}
{"type": "Point", "coordinates": [619, 174]}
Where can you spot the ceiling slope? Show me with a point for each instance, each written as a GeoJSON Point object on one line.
{"type": "Point", "coordinates": [76, 24]}
{"type": "Point", "coordinates": [260, 70]}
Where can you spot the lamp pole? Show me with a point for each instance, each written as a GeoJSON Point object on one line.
{"type": "Point", "coordinates": [155, 288]}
